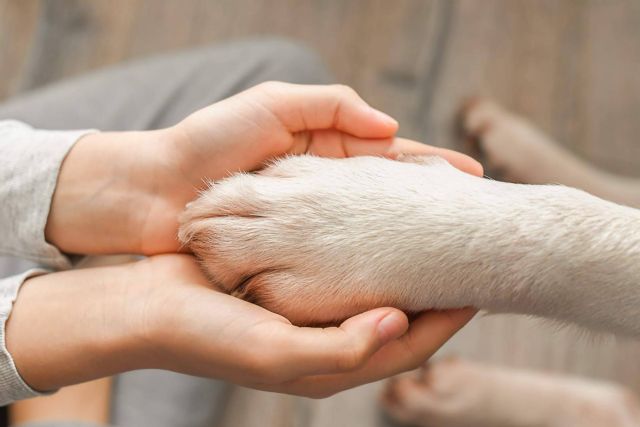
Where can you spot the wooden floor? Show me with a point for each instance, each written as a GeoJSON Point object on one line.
{"type": "Point", "coordinates": [573, 66]}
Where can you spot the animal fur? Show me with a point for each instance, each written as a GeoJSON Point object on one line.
{"type": "Point", "coordinates": [318, 240]}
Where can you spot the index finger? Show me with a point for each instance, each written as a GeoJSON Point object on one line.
{"type": "Point", "coordinates": [313, 107]}
{"type": "Point", "coordinates": [396, 146]}
{"type": "Point", "coordinates": [457, 159]}
{"type": "Point", "coordinates": [331, 143]}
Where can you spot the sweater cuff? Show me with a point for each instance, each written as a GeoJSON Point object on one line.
{"type": "Point", "coordinates": [29, 177]}
{"type": "Point", "coordinates": [12, 386]}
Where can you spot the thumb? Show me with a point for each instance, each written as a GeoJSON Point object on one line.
{"type": "Point", "coordinates": [313, 351]}
{"type": "Point", "coordinates": [382, 325]}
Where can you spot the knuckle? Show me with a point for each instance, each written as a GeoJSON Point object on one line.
{"type": "Point", "coordinates": [270, 85]}
{"type": "Point", "coordinates": [346, 91]}
{"type": "Point", "coordinates": [351, 358]}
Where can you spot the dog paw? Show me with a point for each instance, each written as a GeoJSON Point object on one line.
{"type": "Point", "coordinates": [318, 240]}
{"type": "Point", "coordinates": [458, 393]}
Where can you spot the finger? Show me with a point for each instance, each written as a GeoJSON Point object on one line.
{"type": "Point", "coordinates": [314, 351]}
{"type": "Point", "coordinates": [331, 143]}
{"type": "Point", "coordinates": [310, 107]}
{"type": "Point", "coordinates": [425, 336]}
{"type": "Point", "coordinates": [458, 160]}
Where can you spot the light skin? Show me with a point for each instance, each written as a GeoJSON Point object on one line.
{"type": "Point", "coordinates": [122, 193]}
{"type": "Point", "coordinates": [87, 402]}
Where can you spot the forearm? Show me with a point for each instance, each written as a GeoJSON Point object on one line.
{"type": "Point", "coordinates": [566, 255]}
{"type": "Point", "coordinates": [74, 326]}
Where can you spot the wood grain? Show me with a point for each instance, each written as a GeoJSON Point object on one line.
{"type": "Point", "coordinates": [573, 67]}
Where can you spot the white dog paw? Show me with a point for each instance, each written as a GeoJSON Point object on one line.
{"type": "Point", "coordinates": [318, 240]}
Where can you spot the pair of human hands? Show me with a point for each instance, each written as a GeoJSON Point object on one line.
{"type": "Point", "coordinates": [123, 193]}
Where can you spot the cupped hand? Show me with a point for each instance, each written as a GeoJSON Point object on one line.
{"type": "Point", "coordinates": [319, 240]}
{"type": "Point", "coordinates": [162, 313]}
{"type": "Point", "coordinates": [122, 192]}
{"type": "Point", "coordinates": [209, 333]}
{"type": "Point", "coordinates": [245, 131]}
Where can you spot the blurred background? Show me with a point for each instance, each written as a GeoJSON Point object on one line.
{"type": "Point", "coordinates": [571, 66]}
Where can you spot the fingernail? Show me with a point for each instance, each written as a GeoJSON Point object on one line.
{"type": "Point", "coordinates": [385, 117]}
{"type": "Point", "coordinates": [391, 326]}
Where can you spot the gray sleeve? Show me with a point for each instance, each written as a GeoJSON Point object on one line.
{"type": "Point", "coordinates": [30, 160]}
{"type": "Point", "coordinates": [12, 386]}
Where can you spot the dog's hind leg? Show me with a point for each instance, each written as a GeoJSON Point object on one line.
{"type": "Point", "coordinates": [519, 152]}
{"type": "Point", "coordinates": [458, 393]}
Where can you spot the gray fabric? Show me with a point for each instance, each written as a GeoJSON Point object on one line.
{"type": "Point", "coordinates": [12, 387]}
{"type": "Point", "coordinates": [160, 398]}
{"type": "Point", "coordinates": [59, 424]}
{"type": "Point", "coordinates": [30, 160]}
{"type": "Point", "coordinates": [29, 169]}
{"type": "Point", "coordinates": [154, 93]}
{"type": "Point", "coordinates": [160, 91]}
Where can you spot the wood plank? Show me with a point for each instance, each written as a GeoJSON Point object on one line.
{"type": "Point", "coordinates": [17, 29]}
{"type": "Point", "coordinates": [612, 88]}
{"type": "Point", "coordinates": [571, 66]}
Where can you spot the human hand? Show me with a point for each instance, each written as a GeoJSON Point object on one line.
{"type": "Point", "coordinates": [122, 192]}
{"type": "Point", "coordinates": [162, 313]}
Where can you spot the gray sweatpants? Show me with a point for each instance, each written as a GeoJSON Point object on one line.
{"type": "Point", "coordinates": [150, 94]}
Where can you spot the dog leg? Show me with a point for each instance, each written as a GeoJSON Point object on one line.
{"type": "Point", "coordinates": [318, 240]}
{"type": "Point", "coordinates": [520, 152]}
{"type": "Point", "coordinates": [459, 393]}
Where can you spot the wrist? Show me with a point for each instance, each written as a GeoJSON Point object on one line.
{"type": "Point", "coordinates": [155, 324]}
{"type": "Point", "coordinates": [70, 327]}
{"type": "Point", "coordinates": [102, 194]}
